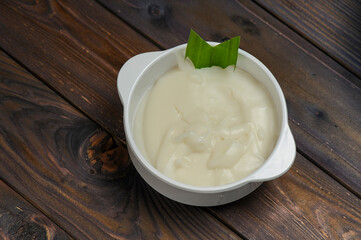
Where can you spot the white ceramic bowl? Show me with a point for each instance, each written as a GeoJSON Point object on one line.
{"type": "Point", "coordinates": [138, 75]}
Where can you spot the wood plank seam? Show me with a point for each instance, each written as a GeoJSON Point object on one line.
{"type": "Point", "coordinates": [117, 138]}
{"type": "Point", "coordinates": [304, 36]}
{"type": "Point", "coordinates": [129, 25]}
{"type": "Point", "coordinates": [356, 84]}
{"type": "Point", "coordinates": [333, 176]}
{"type": "Point", "coordinates": [227, 224]}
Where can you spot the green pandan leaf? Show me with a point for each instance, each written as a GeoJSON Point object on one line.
{"type": "Point", "coordinates": [204, 55]}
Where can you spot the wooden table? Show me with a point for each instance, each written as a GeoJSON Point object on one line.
{"type": "Point", "coordinates": [64, 167]}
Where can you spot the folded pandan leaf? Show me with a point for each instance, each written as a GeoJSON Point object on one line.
{"type": "Point", "coordinates": [204, 55]}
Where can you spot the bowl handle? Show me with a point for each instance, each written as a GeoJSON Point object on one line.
{"type": "Point", "coordinates": [283, 159]}
{"type": "Point", "coordinates": [130, 71]}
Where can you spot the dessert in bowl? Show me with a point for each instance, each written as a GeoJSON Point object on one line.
{"type": "Point", "coordinates": [204, 137]}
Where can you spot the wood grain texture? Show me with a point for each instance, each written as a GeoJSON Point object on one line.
{"type": "Point", "coordinates": [305, 203]}
{"type": "Point", "coordinates": [20, 220]}
{"type": "Point", "coordinates": [77, 48]}
{"type": "Point", "coordinates": [334, 26]}
{"type": "Point", "coordinates": [76, 174]}
{"type": "Point", "coordinates": [323, 99]}
{"type": "Point", "coordinates": [52, 157]}
{"type": "Point", "coordinates": [309, 81]}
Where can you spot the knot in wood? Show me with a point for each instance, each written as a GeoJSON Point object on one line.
{"type": "Point", "coordinates": [247, 25]}
{"type": "Point", "coordinates": [105, 157]}
{"type": "Point", "coordinates": [156, 11]}
{"type": "Point", "coordinates": [25, 225]}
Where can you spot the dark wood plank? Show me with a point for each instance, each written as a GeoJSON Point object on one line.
{"type": "Point", "coordinates": [103, 195]}
{"type": "Point", "coordinates": [311, 100]}
{"type": "Point", "coordinates": [78, 47]}
{"type": "Point", "coordinates": [20, 220]}
{"type": "Point", "coordinates": [73, 171]}
{"type": "Point", "coordinates": [334, 26]}
{"type": "Point", "coordinates": [305, 203]}
{"type": "Point", "coordinates": [76, 174]}
{"type": "Point", "coordinates": [323, 100]}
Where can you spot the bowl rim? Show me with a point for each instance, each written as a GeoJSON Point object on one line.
{"type": "Point", "coordinates": [205, 189]}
